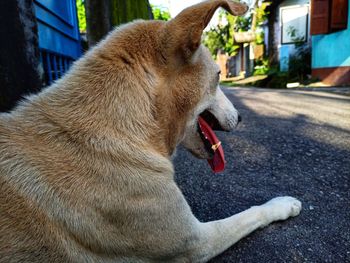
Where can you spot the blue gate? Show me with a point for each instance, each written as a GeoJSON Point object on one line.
{"type": "Point", "coordinates": [59, 37]}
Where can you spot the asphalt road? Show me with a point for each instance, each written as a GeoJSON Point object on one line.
{"type": "Point", "coordinates": [290, 142]}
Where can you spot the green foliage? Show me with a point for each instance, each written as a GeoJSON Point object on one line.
{"type": "Point", "coordinates": [278, 80]}
{"type": "Point", "coordinates": [161, 13]}
{"type": "Point", "coordinates": [262, 67]}
{"type": "Point", "coordinates": [300, 63]}
{"type": "Point", "coordinates": [241, 23]}
{"type": "Point", "coordinates": [261, 17]}
{"type": "Point", "coordinates": [220, 37]}
{"type": "Point", "coordinates": [262, 13]}
{"type": "Point", "coordinates": [244, 23]}
{"type": "Point", "coordinates": [81, 15]}
{"type": "Point", "coordinates": [299, 69]}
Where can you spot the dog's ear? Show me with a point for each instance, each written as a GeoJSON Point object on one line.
{"type": "Point", "coordinates": [185, 30]}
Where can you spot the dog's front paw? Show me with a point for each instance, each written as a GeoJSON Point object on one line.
{"type": "Point", "coordinates": [280, 208]}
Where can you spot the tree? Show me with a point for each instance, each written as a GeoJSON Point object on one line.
{"type": "Point", "coordinates": [124, 11]}
{"type": "Point", "coordinates": [97, 20]}
{"type": "Point", "coordinates": [103, 15]}
{"type": "Point", "coordinates": [272, 11]}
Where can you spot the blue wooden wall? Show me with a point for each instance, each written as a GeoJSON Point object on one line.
{"type": "Point", "coordinates": [332, 50]}
{"type": "Point", "coordinates": [59, 37]}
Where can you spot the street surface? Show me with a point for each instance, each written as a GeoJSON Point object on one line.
{"type": "Point", "coordinates": [290, 142]}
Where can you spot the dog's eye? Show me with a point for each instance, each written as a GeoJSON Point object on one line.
{"type": "Point", "coordinates": [219, 72]}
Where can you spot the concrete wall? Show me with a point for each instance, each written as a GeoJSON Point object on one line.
{"type": "Point", "coordinates": [331, 50]}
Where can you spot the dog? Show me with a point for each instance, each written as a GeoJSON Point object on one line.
{"type": "Point", "coordinates": [86, 170]}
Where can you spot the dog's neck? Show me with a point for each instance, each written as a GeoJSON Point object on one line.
{"type": "Point", "coordinates": [102, 123]}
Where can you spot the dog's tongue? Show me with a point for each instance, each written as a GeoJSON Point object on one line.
{"type": "Point", "coordinates": [217, 163]}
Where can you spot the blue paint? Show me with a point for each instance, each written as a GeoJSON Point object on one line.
{"type": "Point", "coordinates": [62, 8]}
{"type": "Point", "coordinates": [59, 37]}
{"type": "Point", "coordinates": [331, 50]}
{"type": "Point", "coordinates": [56, 23]}
{"type": "Point", "coordinates": [58, 27]}
{"type": "Point", "coordinates": [55, 42]}
{"type": "Point", "coordinates": [284, 57]}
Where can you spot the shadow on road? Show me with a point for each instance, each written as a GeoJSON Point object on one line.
{"type": "Point", "coordinates": [269, 156]}
{"type": "Point", "coordinates": [323, 96]}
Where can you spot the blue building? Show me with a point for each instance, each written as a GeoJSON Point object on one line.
{"type": "Point", "coordinates": [330, 29]}
{"type": "Point", "coordinates": [59, 37]}
{"type": "Point", "coordinates": [324, 27]}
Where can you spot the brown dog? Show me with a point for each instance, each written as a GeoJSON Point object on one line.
{"type": "Point", "coordinates": [85, 166]}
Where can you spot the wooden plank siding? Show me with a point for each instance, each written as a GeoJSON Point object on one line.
{"type": "Point", "coordinates": [328, 16]}
{"type": "Point", "coordinates": [339, 18]}
{"type": "Point", "coordinates": [320, 16]}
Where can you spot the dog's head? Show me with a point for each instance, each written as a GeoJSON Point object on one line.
{"type": "Point", "coordinates": [164, 80]}
{"type": "Point", "coordinates": [196, 85]}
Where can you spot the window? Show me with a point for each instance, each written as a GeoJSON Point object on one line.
{"type": "Point", "coordinates": [294, 24]}
{"type": "Point", "coordinates": [328, 16]}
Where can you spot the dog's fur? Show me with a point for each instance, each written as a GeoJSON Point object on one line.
{"type": "Point", "coordinates": [85, 166]}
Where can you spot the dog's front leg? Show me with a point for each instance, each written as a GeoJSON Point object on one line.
{"type": "Point", "coordinates": [217, 236]}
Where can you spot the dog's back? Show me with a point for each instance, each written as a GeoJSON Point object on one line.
{"type": "Point", "coordinates": [20, 240]}
{"type": "Point", "coordinates": [25, 228]}
{"type": "Point", "coordinates": [62, 199]}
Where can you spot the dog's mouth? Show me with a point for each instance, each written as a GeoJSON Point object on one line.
{"type": "Point", "coordinates": [206, 125]}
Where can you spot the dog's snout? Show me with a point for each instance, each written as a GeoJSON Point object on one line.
{"type": "Point", "coordinates": [239, 118]}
